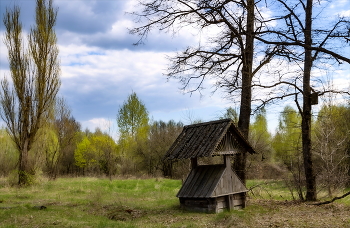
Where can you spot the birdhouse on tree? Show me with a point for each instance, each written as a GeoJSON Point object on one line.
{"type": "Point", "coordinates": [210, 188]}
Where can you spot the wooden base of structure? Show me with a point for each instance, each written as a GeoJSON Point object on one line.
{"type": "Point", "coordinates": [213, 205]}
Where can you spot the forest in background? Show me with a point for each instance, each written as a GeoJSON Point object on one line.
{"type": "Point", "coordinates": [62, 148]}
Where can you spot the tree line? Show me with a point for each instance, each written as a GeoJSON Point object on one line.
{"type": "Point", "coordinates": [62, 148]}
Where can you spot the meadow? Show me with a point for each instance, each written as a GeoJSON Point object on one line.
{"type": "Point", "coordinates": [94, 202]}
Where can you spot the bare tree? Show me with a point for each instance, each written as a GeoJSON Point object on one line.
{"type": "Point", "coordinates": [161, 136]}
{"type": "Point", "coordinates": [305, 46]}
{"type": "Point", "coordinates": [243, 44]}
{"type": "Point", "coordinates": [331, 138]}
{"type": "Point", "coordinates": [66, 129]}
{"type": "Point", "coordinates": [35, 76]}
{"type": "Point", "coordinates": [228, 56]}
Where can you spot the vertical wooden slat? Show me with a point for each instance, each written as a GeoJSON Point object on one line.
{"type": "Point", "coordinates": [211, 181]}
{"type": "Point", "coordinates": [187, 185]}
{"type": "Point", "coordinates": [194, 162]}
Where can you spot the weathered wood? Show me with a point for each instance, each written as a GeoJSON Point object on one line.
{"type": "Point", "coordinates": [210, 188]}
{"type": "Point", "coordinates": [211, 181]}
{"type": "Point", "coordinates": [194, 162]}
{"type": "Point", "coordinates": [189, 184]}
{"type": "Point", "coordinates": [213, 175]}
{"type": "Point", "coordinates": [314, 98]}
{"type": "Point", "coordinates": [201, 140]}
{"type": "Point", "coordinates": [227, 161]}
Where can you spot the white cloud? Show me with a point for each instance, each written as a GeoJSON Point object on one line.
{"type": "Point", "coordinates": [101, 123]}
{"type": "Point", "coordinates": [345, 13]}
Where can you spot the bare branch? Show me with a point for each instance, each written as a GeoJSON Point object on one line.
{"type": "Point", "coordinates": [332, 200]}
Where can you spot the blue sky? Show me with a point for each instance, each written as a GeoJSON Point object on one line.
{"type": "Point", "coordinates": [101, 67]}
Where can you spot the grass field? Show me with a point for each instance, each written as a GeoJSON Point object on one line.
{"type": "Point", "coordinates": [92, 202]}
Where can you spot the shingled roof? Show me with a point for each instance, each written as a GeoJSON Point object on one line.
{"type": "Point", "coordinates": [219, 137]}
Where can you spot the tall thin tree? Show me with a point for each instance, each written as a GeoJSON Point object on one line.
{"type": "Point", "coordinates": [35, 74]}
{"type": "Point", "coordinates": [307, 45]}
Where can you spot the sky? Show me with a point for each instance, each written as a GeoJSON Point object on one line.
{"type": "Point", "coordinates": [100, 66]}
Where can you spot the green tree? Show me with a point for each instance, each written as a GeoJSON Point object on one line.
{"type": "Point", "coordinates": [45, 150]}
{"type": "Point", "coordinates": [259, 135]}
{"type": "Point", "coordinates": [66, 129]}
{"type": "Point", "coordinates": [132, 118]}
{"type": "Point", "coordinates": [8, 155]}
{"type": "Point", "coordinates": [97, 152]}
{"type": "Point", "coordinates": [332, 138]}
{"type": "Point", "coordinates": [261, 166]}
{"type": "Point", "coordinates": [35, 75]}
{"type": "Point", "coordinates": [287, 146]}
{"type": "Point", "coordinates": [230, 113]}
{"type": "Point", "coordinates": [287, 141]}
{"type": "Point", "coordinates": [106, 152]}
{"type": "Point", "coordinates": [83, 154]}
{"type": "Point", "coordinates": [161, 137]}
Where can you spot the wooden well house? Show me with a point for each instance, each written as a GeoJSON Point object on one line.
{"type": "Point", "coordinates": [210, 188]}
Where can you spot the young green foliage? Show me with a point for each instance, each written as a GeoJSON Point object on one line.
{"type": "Point", "coordinates": [83, 156]}
{"type": "Point", "coordinates": [8, 153]}
{"type": "Point", "coordinates": [332, 147]}
{"type": "Point", "coordinates": [35, 74]}
{"type": "Point", "coordinates": [97, 152]}
{"type": "Point", "coordinates": [259, 135]}
{"type": "Point", "coordinates": [287, 141]}
{"type": "Point", "coordinates": [287, 146]}
{"type": "Point", "coordinates": [132, 118]}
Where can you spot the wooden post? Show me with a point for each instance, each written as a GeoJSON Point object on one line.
{"type": "Point", "coordinates": [229, 203]}
{"type": "Point", "coordinates": [227, 161]}
{"type": "Point", "coordinates": [229, 200]}
{"type": "Point", "coordinates": [194, 163]}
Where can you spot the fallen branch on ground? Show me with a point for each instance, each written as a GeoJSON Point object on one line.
{"type": "Point", "coordinates": [332, 200]}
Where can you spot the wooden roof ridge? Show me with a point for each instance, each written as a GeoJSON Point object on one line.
{"type": "Point", "coordinates": [201, 140]}
{"type": "Point", "coordinates": [208, 123]}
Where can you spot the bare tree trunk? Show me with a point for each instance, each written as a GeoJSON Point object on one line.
{"type": "Point", "coordinates": [246, 95]}
{"type": "Point", "coordinates": [306, 115]}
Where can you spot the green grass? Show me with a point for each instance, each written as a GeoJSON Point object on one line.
{"type": "Point", "coordinates": [93, 202]}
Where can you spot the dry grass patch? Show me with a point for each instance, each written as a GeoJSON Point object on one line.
{"type": "Point", "coordinates": [274, 213]}
{"type": "Point", "coordinates": [92, 202]}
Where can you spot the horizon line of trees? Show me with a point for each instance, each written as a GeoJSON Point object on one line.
{"type": "Point", "coordinates": [62, 148]}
